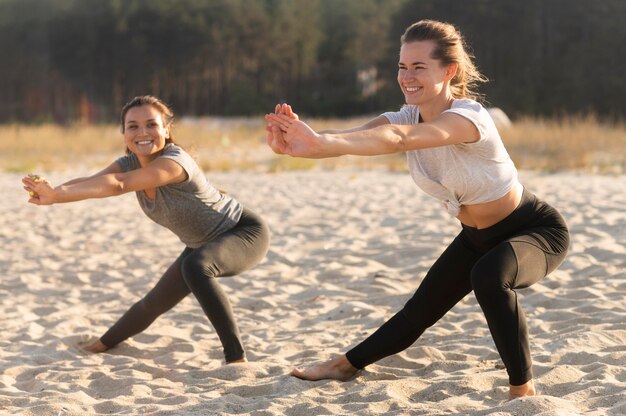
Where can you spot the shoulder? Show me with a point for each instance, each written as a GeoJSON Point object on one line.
{"type": "Point", "coordinates": [474, 112]}
{"type": "Point", "coordinates": [408, 114]}
{"type": "Point", "coordinates": [173, 150]}
{"type": "Point", "coordinates": [175, 153]}
{"type": "Point", "coordinates": [467, 103]}
{"type": "Point", "coordinates": [128, 162]}
{"type": "Point", "coordinates": [470, 108]}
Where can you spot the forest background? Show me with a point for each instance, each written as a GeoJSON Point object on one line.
{"type": "Point", "coordinates": [68, 66]}
{"type": "Point", "coordinates": [68, 60]}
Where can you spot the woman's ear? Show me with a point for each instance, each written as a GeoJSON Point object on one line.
{"type": "Point", "coordinates": [451, 71]}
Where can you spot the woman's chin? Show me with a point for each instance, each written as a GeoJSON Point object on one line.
{"type": "Point", "coordinates": [411, 100]}
{"type": "Point", "coordinates": [146, 151]}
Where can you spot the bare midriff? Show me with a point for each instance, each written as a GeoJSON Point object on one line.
{"type": "Point", "coordinates": [489, 213]}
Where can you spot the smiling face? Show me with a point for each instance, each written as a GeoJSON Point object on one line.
{"type": "Point", "coordinates": [422, 78]}
{"type": "Point", "coordinates": [145, 132]}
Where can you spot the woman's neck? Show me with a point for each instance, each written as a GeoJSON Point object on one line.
{"type": "Point", "coordinates": [431, 110]}
{"type": "Point", "coordinates": [145, 160]}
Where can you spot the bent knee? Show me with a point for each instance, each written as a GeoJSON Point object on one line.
{"type": "Point", "coordinates": [197, 267]}
{"type": "Point", "coordinates": [496, 271]}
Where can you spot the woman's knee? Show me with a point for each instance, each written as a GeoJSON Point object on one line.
{"type": "Point", "coordinates": [495, 272]}
{"type": "Point", "coordinates": [197, 266]}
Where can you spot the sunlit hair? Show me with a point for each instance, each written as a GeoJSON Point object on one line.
{"type": "Point", "coordinates": [450, 47]}
{"type": "Point", "coordinates": [166, 113]}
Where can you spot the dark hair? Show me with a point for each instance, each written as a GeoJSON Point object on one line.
{"type": "Point", "coordinates": [450, 48]}
{"type": "Point", "coordinates": [166, 112]}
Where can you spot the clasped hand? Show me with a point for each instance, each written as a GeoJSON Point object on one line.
{"type": "Point", "coordinates": [286, 134]}
{"type": "Point", "coordinates": [39, 189]}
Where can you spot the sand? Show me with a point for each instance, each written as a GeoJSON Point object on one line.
{"type": "Point", "coordinates": [348, 249]}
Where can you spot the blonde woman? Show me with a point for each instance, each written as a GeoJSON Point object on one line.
{"type": "Point", "coordinates": [509, 240]}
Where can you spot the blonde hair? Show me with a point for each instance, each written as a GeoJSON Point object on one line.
{"type": "Point", "coordinates": [166, 112]}
{"type": "Point", "coordinates": [450, 48]}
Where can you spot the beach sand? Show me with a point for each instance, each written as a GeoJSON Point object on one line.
{"type": "Point", "coordinates": [348, 249]}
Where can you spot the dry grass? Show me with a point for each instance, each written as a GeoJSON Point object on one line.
{"type": "Point", "coordinates": [567, 143]}
{"type": "Point", "coordinates": [24, 148]}
{"type": "Point", "coordinates": [219, 144]}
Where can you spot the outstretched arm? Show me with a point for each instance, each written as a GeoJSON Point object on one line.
{"type": "Point", "coordinates": [375, 122]}
{"type": "Point", "coordinates": [160, 172]}
{"type": "Point", "coordinates": [285, 109]}
{"type": "Point", "coordinates": [112, 168]}
{"type": "Point", "coordinates": [295, 138]}
{"type": "Point", "coordinates": [276, 128]}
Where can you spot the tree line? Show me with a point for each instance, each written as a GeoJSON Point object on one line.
{"type": "Point", "coordinates": [68, 60]}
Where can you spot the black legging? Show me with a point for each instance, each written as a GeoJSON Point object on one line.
{"type": "Point", "coordinates": [195, 270]}
{"type": "Point", "coordinates": [514, 253]}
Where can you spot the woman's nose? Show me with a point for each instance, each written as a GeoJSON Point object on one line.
{"type": "Point", "coordinates": [408, 74]}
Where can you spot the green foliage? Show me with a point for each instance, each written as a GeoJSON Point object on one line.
{"type": "Point", "coordinates": [69, 60]}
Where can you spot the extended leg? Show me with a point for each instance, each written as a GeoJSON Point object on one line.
{"type": "Point", "coordinates": [446, 283]}
{"type": "Point", "coordinates": [167, 293]}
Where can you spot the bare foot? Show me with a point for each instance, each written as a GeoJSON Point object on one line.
{"type": "Point", "coordinates": [336, 369]}
{"type": "Point", "coordinates": [526, 389]}
{"type": "Point", "coordinates": [95, 347]}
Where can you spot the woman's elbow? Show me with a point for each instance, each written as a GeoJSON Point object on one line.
{"type": "Point", "coordinates": [397, 142]}
{"type": "Point", "coordinates": [117, 185]}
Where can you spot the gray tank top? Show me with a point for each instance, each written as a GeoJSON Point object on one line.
{"type": "Point", "coordinates": [194, 210]}
{"type": "Point", "coordinates": [461, 174]}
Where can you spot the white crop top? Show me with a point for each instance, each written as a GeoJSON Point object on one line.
{"type": "Point", "coordinates": [461, 174]}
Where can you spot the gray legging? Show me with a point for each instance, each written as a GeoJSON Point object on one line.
{"type": "Point", "coordinates": [196, 270]}
{"type": "Point", "coordinates": [515, 253]}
